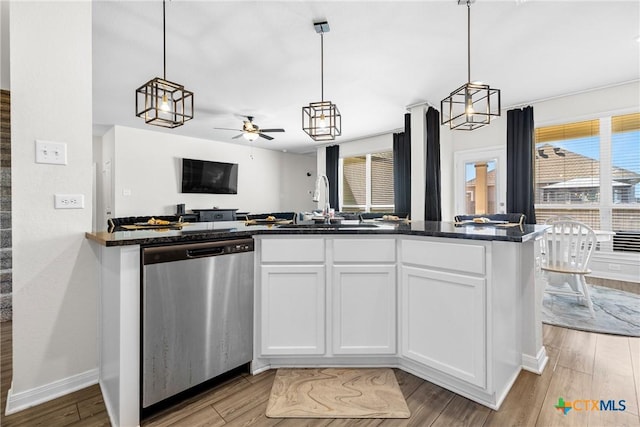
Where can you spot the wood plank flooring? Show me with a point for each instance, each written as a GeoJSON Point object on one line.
{"type": "Point", "coordinates": [582, 365]}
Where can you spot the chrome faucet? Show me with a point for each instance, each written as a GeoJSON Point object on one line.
{"type": "Point", "coordinates": [316, 197]}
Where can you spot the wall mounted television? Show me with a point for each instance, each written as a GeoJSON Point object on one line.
{"type": "Point", "coordinates": [202, 176]}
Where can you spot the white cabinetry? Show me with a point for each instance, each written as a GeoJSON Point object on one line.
{"type": "Point", "coordinates": [293, 309]}
{"type": "Point", "coordinates": [459, 313]}
{"type": "Point", "coordinates": [444, 309]}
{"type": "Point", "coordinates": [364, 296]}
{"type": "Point", "coordinates": [292, 297]}
{"type": "Point", "coordinates": [443, 322]}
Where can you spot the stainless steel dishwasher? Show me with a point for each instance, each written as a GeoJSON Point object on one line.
{"type": "Point", "coordinates": [197, 314]}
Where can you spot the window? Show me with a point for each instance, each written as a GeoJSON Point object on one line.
{"type": "Point", "coordinates": [590, 171]}
{"type": "Point", "coordinates": [367, 183]}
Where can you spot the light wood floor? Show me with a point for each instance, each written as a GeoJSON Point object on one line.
{"type": "Point", "coordinates": [582, 365]}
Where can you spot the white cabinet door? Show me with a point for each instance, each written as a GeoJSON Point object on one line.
{"type": "Point", "coordinates": [292, 309]}
{"type": "Point", "coordinates": [364, 309]}
{"type": "Point", "coordinates": [443, 322]}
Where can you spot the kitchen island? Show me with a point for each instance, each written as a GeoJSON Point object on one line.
{"type": "Point", "coordinates": [455, 305]}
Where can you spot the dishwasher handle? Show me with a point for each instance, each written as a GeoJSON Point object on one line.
{"type": "Point", "coordinates": [205, 252]}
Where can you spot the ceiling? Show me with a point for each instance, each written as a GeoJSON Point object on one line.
{"type": "Point", "coordinates": [262, 58]}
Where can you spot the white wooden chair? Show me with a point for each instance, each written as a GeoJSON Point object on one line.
{"type": "Point", "coordinates": [565, 260]}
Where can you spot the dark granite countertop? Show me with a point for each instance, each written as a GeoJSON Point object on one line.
{"type": "Point", "coordinates": [203, 231]}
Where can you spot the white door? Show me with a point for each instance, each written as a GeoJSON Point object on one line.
{"type": "Point", "coordinates": [364, 309]}
{"type": "Point", "coordinates": [480, 181]}
{"type": "Point", "coordinates": [443, 322]}
{"type": "Point", "coordinates": [293, 309]}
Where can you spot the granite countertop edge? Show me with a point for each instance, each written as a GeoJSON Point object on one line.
{"type": "Point", "coordinates": [109, 239]}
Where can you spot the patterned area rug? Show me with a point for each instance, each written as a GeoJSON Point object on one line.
{"type": "Point", "coordinates": [616, 312]}
{"type": "Point", "coordinates": [336, 393]}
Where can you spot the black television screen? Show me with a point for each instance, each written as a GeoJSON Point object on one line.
{"type": "Point", "coordinates": [202, 176]}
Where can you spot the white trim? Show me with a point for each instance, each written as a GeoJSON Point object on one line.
{"type": "Point", "coordinates": [26, 399]}
{"type": "Point", "coordinates": [628, 266]}
{"type": "Point", "coordinates": [535, 364]}
{"type": "Point", "coordinates": [570, 94]}
{"type": "Point", "coordinates": [494, 153]}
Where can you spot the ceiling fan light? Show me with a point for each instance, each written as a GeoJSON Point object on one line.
{"type": "Point", "coordinates": [250, 136]}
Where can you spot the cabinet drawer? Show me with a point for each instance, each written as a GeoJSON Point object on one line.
{"type": "Point", "coordinates": [364, 250]}
{"type": "Point", "coordinates": [441, 255]}
{"type": "Point", "coordinates": [292, 250]}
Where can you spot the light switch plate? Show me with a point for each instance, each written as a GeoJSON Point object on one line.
{"type": "Point", "coordinates": [50, 152]}
{"type": "Point", "coordinates": [69, 201]}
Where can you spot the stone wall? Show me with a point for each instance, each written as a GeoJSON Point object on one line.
{"type": "Point", "coordinates": [5, 206]}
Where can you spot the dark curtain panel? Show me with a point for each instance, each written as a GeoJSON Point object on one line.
{"type": "Point", "coordinates": [402, 167]}
{"type": "Point", "coordinates": [520, 172]}
{"type": "Point", "coordinates": [432, 199]}
{"type": "Point", "coordinates": [332, 155]}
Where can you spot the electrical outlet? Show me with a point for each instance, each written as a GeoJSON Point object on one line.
{"type": "Point", "coordinates": [69, 201]}
{"type": "Point", "coordinates": [614, 267]}
{"type": "Point", "coordinates": [54, 153]}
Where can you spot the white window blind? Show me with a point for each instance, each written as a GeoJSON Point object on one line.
{"type": "Point", "coordinates": [354, 181]}
{"type": "Point", "coordinates": [625, 180]}
{"type": "Point", "coordinates": [382, 179]}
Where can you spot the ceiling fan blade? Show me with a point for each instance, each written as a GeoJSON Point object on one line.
{"type": "Point", "coordinates": [237, 130]}
{"type": "Point", "coordinates": [271, 130]}
{"type": "Point", "coordinates": [237, 136]}
{"type": "Point", "coordinates": [266, 136]}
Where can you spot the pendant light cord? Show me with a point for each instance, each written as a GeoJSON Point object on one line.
{"type": "Point", "coordinates": [322, 66]}
{"type": "Point", "coordinates": [468, 41]}
{"type": "Point", "coordinates": [164, 42]}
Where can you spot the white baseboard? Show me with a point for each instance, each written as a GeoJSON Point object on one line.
{"type": "Point", "coordinates": [26, 399]}
{"type": "Point", "coordinates": [535, 364]}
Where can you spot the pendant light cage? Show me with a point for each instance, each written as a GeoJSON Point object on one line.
{"type": "Point", "coordinates": [164, 103]}
{"type": "Point", "coordinates": [472, 105]}
{"type": "Point", "coordinates": [321, 120]}
{"type": "Point", "coordinates": [161, 102]}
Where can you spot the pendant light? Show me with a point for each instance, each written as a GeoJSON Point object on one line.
{"type": "Point", "coordinates": [161, 102]}
{"type": "Point", "coordinates": [472, 105]}
{"type": "Point", "coordinates": [321, 120]}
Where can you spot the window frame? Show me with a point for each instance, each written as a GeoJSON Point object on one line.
{"type": "Point", "coordinates": [605, 205]}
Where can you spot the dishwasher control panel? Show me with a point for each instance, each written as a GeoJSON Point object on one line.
{"type": "Point", "coordinates": [160, 254]}
{"type": "Point", "coordinates": [239, 247]}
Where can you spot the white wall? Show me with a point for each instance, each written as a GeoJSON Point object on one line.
{"type": "Point", "coordinates": [296, 188]}
{"type": "Point", "coordinates": [418, 161]}
{"type": "Point", "coordinates": [54, 268]}
{"type": "Point", "coordinates": [147, 165]}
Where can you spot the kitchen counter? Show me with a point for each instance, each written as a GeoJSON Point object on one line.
{"type": "Point", "coordinates": [203, 231]}
{"type": "Point", "coordinates": [476, 279]}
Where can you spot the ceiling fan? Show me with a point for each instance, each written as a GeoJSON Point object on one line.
{"type": "Point", "coordinates": [252, 131]}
